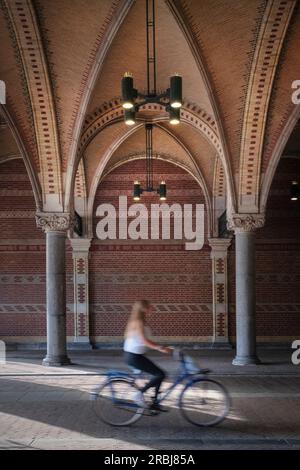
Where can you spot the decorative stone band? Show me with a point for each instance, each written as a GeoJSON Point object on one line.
{"type": "Point", "coordinates": [245, 222]}
{"type": "Point", "coordinates": [54, 221]}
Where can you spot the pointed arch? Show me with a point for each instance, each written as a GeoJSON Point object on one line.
{"type": "Point", "coordinates": [112, 149]}
{"type": "Point", "coordinates": [34, 180]}
{"type": "Point", "coordinates": [219, 194]}
{"type": "Point", "coordinates": [27, 35]}
{"type": "Point", "coordinates": [272, 32]}
{"type": "Point", "coordinates": [179, 16]}
{"type": "Point", "coordinates": [277, 153]}
{"type": "Point", "coordinates": [95, 69]}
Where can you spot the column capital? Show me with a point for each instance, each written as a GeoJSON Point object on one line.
{"type": "Point", "coordinates": [240, 223]}
{"type": "Point", "coordinates": [54, 221]}
{"type": "Point", "coordinates": [80, 244]}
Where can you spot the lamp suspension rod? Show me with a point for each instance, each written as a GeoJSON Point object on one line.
{"type": "Point", "coordinates": [151, 51]}
{"type": "Point", "coordinates": [149, 162]}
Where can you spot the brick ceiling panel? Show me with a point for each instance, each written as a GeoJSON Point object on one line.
{"type": "Point", "coordinates": [281, 105]}
{"type": "Point", "coordinates": [17, 99]}
{"type": "Point", "coordinates": [72, 32]}
{"type": "Point", "coordinates": [128, 53]}
{"type": "Point", "coordinates": [163, 144]}
{"type": "Point", "coordinates": [225, 33]}
{"type": "Point", "coordinates": [202, 151]}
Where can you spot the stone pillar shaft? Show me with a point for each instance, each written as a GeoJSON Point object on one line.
{"type": "Point", "coordinates": [55, 226]}
{"type": "Point", "coordinates": [56, 299]}
{"type": "Point", "coordinates": [245, 299]}
{"type": "Point", "coordinates": [245, 226]}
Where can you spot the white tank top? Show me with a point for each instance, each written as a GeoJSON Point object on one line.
{"type": "Point", "coordinates": [134, 342]}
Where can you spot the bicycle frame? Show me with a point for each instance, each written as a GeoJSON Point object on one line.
{"type": "Point", "coordinates": [180, 377]}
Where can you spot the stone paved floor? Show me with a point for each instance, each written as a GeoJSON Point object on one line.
{"type": "Point", "coordinates": [49, 408]}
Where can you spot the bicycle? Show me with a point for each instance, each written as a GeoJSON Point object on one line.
{"type": "Point", "coordinates": [203, 401]}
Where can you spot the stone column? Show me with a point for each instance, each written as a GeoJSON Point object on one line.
{"type": "Point", "coordinates": [219, 249]}
{"type": "Point", "coordinates": [55, 225]}
{"type": "Point", "coordinates": [81, 248]}
{"type": "Point", "coordinates": [244, 226]}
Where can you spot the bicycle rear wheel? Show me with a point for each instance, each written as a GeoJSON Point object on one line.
{"type": "Point", "coordinates": [115, 402]}
{"type": "Point", "coordinates": [204, 402]}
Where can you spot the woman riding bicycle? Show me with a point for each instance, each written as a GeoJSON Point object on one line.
{"type": "Point", "coordinates": [136, 342]}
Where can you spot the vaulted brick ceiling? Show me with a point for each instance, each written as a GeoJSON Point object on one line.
{"type": "Point", "coordinates": [128, 53]}
{"type": "Point", "coordinates": [214, 44]}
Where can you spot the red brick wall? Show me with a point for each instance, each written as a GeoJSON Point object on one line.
{"type": "Point", "coordinates": [277, 261]}
{"type": "Point", "coordinates": [178, 282]}
{"type": "Point", "coordinates": [23, 258]}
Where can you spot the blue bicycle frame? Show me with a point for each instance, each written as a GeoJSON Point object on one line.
{"type": "Point", "coordinates": [182, 375]}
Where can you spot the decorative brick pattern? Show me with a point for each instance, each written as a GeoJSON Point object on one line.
{"type": "Point", "coordinates": [80, 255]}
{"type": "Point", "coordinates": [112, 112]}
{"type": "Point", "coordinates": [23, 19]}
{"type": "Point", "coordinates": [177, 282]}
{"type": "Point", "coordinates": [80, 184]}
{"type": "Point", "coordinates": [219, 186]}
{"type": "Point", "coordinates": [221, 325]}
{"type": "Point", "coordinates": [272, 32]}
{"type": "Point", "coordinates": [220, 266]}
{"type": "Point", "coordinates": [220, 290]}
{"type": "Point", "coordinates": [219, 249]}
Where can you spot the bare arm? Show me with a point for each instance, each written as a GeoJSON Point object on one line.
{"type": "Point", "coordinates": [151, 344]}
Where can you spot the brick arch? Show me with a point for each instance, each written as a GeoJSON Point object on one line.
{"type": "Point", "coordinates": [34, 180]}
{"type": "Point", "coordinates": [80, 182]}
{"type": "Point", "coordinates": [178, 282]}
{"type": "Point", "coordinates": [187, 25]}
{"type": "Point", "coordinates": [112, 112]}
{"type": "Point", "coordinates": [219, 193]}
{"type": "Point", "coordinates": [276, 155]}
{"type": "Point", "coordinates": [170, 159]}
{"type": "Point", "coordinates": [29, 43]}
{"type": "Point", "coordinates": [272, 32]}
{"type": "Point", "coordinates": [114, 21]}
{"type": "Point", "coordinates": [106, 157]}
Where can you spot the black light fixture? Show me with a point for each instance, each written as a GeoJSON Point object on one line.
{"type": "Point", "coordinates": [170, 99]}
{"type": "Point", "coordinates": [176, 91]}
{"type": "Point", "coordinates": [137, 189]}
{"type": "Point", "coordinates": [162, 191]}
{"type": "Point", "coordinates": [174, 115]}
{"type": "Point", "coordinates": [129, 116]}
{"type": "Point", "coordinates": [295, 191]}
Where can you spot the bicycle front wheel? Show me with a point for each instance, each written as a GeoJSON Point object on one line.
{"type": "Point", "coordinates": [204, 402]}
{"type": "Point", "coordinates": [115, 402]}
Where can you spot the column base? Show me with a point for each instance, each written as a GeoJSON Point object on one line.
{"type": "Point", "coordinates": [221, 345]}
{"type": "Point", "coordinates": [245, 360]}
{"type": "Point", "coordinates": [56, 361]}
{"type": "Point", "coordinates": [80, 345]}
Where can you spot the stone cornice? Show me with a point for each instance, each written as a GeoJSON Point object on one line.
{"type": "Point", "coordinates": [245, 222]}
{"type": "Point", "coordinates": [54, 221]}
{"type": "Point", "coordinates": [81, 244]}
{"type": "Point", "coordinates": [219, 245]}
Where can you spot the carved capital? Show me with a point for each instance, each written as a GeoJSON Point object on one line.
{"type": "Point", "coordinates": [219, 246]}
{"type": "Point", "coordinates": [54, 221]}
{"type": "Point", "coordinates": [245, 222]}
{"type": "Point", "coordinates": [80, 245]}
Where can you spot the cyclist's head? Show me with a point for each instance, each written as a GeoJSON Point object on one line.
{"type": "Point", "coordinates": [139, 310]}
